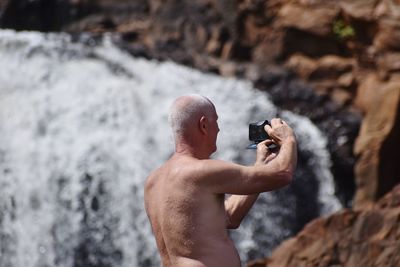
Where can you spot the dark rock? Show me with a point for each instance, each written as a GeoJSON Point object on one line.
{"type": "Point", "coordinates": [41, 15]}
{"type": "Point", "coordinates": [341, 125]}
{"type": "Point", "coordinates": [298, 41]}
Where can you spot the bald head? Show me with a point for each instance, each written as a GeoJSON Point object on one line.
{"type": "Point", "coordinates": [187, 110]}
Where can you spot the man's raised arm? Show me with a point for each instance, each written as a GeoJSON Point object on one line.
{"type": "Point", "coordinates": [237, 206]}
{"type": "Point", "coordinates": [273, 169]}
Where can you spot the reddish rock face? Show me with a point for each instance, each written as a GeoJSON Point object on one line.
{"type": "Point", "coordinates": [378, 145]}
{"type": "Point", "coordinates": [315, 18]}
{"type": "Point", "coordinates": [347, 238]}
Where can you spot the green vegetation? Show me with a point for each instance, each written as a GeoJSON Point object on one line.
{"type": "Point", "coordinates": [342, 30]}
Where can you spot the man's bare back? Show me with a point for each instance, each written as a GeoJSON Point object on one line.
{"type": "Point", "coordinates": [190, 223]}
{"type": "Point", "coordinates": [185, 197]}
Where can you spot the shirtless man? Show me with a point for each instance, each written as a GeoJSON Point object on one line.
{"type": "Point", "coordinates": [185, 197]}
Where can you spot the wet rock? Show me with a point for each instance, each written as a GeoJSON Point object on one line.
{"type": "Point", "coordinates": [42, 15]}
{"type": "Point", "coordinates": [340, 124]}
{"type": "Point", "coordinates": [3, 4]}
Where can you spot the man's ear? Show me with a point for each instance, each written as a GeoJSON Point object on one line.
{"type": "Point", "coordinates": [203, 124]}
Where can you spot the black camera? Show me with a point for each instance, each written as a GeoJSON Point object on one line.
{"type": "Point", "coordinates": [257, 133]}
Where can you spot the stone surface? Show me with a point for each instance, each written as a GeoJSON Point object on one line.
{"type": "Point", "coordinates": [369, 88]}
{"type": "Point", "coordinates": [388, 35]}
{"type": "Point", "coordinates": [42, 15]}
{"type": "Point", "coordinates": [325, 68]}
{"type": "Point", "coordinates": [302, 65]}
{"type": "Point", "coordinates": [359, 9]}
{"type": "Point", "coordinates": [313, 18]}
{"type": "Point", "coordinates": [367, 237]}
{"type": "Point", "coordinates": [389, 62]}
{"type": "Point", "coordinates": [380, 122]}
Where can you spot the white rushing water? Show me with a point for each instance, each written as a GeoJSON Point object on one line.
{"type": "Point", "coordinates": [80, 129]}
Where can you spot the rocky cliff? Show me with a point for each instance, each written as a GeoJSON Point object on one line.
{"type": "Point", "coordinates": [337, 62]}
{"type": "Point", "coordinates": [367, 237]}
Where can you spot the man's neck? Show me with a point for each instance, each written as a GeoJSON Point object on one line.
{"type": "Point", "coordinates": [190, 151]}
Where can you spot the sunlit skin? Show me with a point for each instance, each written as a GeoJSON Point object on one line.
{"type": "Point", "coordinates": [185, 198]}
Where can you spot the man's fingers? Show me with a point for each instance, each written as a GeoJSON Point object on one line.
{"type": "Point", "coordinates": [265, 144]}
{"type": "Point", "coordinates": [267, 128]}
{"type": "Point", "coordinates": [276, 122]}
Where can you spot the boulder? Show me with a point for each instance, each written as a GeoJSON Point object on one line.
{"type": "Point", "coordinates": [359, 9]}
{"type": "Point", "coordinates": [329, 74]}
{"type": "Point", "coordinates": [41, 15]}
{"type": "Point", "coordinates": [326, 67]}
{"type": "Point", "coordinates": [332, 67]}
{"type": "Point", "coordinates": [270, 49]}
{"type": "Point", "coordinates": [3, 4]}
{"type": "Point", "coordinates": [387, 9]}
{"type": "Point", "coordinates": [302, 65]}
{"type": "Point", "coordinates": [312, 18]}
{"type": "Point", "coordinates": [376, 172]}
{"type": "Point", "coordinates": [369, 89]}
{"type": "Point", "coordinates": [389, 62]}
{"type": "Point", "coordinates": [347, 238]}
{"type": "Point", "coordinates": [341, 96]}
{"type": "Point", "coordinates": [388, 35]}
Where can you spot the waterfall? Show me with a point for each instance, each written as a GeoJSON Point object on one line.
{"type": "Point", "coordinates": [81, 126]}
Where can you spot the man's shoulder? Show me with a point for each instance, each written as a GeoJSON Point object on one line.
{"type": "Point", "coordinates": [152, 178]}
{"type": "Point", "coordinates": [188, 169]}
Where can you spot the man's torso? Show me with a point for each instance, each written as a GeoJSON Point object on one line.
{"type": "Point", "coordinates": [188, 222]}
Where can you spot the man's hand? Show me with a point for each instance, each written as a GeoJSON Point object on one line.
{"type": "Point", "coordinates": [279, 131]}
{"type": "Point", "coordinates": [264, 153]}
{"type": "Point", "coordinates": [237, 206]}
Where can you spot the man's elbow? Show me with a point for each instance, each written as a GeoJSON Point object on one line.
{"type": "Point", "coordinates": [286, 177]}
{"type": "Point", "coordinates": [289, 176]}
{"type": "Point", "coordinates": [233, 225]}
{"type": "Point", "coordinates": [286, 172]}
{"type": "Point", "coordinates": [232, 222]}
